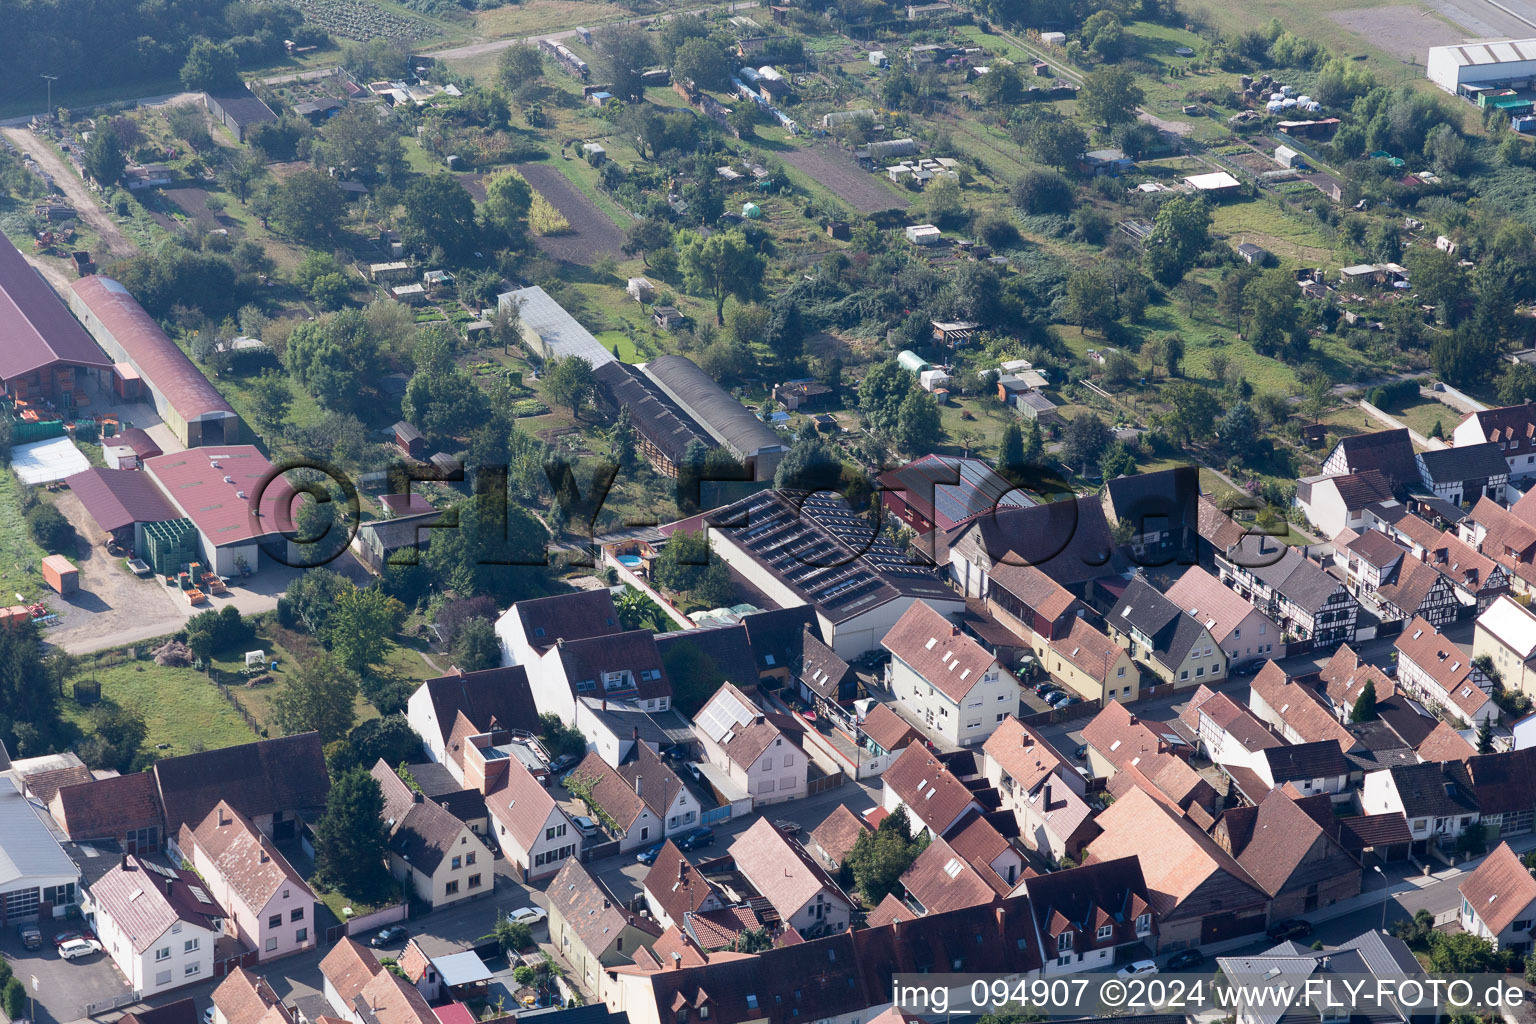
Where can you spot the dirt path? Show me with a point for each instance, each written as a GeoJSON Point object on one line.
{"type": "Point", "coordinates": [79, 194]}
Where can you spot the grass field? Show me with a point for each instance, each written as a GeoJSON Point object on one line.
{"type": "Point", "coordinates": [535, 16]}
{"type": "Point", "coordinates": [1293, 240]}
{"type": "Point", "coordinates": [180, 706]}
{"type": "Point", "coordinates": [19, 553]}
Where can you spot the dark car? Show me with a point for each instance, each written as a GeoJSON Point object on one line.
{"type": "Point", "coordinates": [1041, 689]}
{"type": "Point", "coordinates": [1295, 928]}
{"type": "Point", "coordinates": [394, 933]}
{"type": "Point", "coordinates": [696, 839]}
{"type": "Point", "coordinates": [1184, 960]}
{"type": "Point", "coordinates": [31, 936]}
{"type": "Point", "coordinates": [648, 855]}
{"type": "Point", "coordinates": [562, 762]}
{"type": "Point", "coordinates": [1081, 753]}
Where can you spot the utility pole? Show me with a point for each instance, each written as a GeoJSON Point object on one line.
{"type": "Point", "coordinates": [50, 79]}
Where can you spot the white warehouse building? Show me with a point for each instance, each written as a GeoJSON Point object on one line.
{"type": "Point", "coordinates": [1503, 64]}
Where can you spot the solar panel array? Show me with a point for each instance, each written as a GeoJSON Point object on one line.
{"type": "Point", "coordinates": [722, 714]}
{"type": "Point", "coordinates": [824, 550]}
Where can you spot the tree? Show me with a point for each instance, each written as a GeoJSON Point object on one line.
{"type": "Point", "coordinates": [753, 940]}
{"type": "Point", "coordinates": [238, 172]}
{"type": "Point", "coordinates": [1034, 444]}
{"type": "Point", "coordinates": [879, 858]}
{"type": "Point", "coordinates": [1365, 704]}
{"type": "Point", "coordinates": [560, 739]}
{"type": "Point", "coordinates": [918, 424]}
{"type": "Point", "coordinates": [1056, 142]}
{"type": "Point", "coordinates": [318, 698]}
{"type": "Point", "coordinates": [637, 611]}
{"type": "Point", "coordinates": [694, 673]}
{"type": "Point", "coordinates": [1109, 96]}
{"type": "Point", "coordinates": [512, 936]}
{"type": "Point", "coordinates": [518, 66]}
{"type": "Point", "coordinates": [351, 838]}
{"type": "Point", "coordinates": [627, 51]}
{"type": "Point", "coordinates": [1517, 384]}
{"type": "Point", "coordinates": [703, 63]}
{"type": "Point", "coordinates": [476, 646]}
{"type": "Point", "coordinates": [720, 266]}
{"type": "Point", "coordinates": [333, 358]}
{"type": "Point", "coordinates": [1103, 35]}
{"type": "Point", "coordinates": [882, 393]}
{"type": "Point", "coordinates": [440, 212]}
{"type": "Point", "coordinates": [442, 400]}
{"type": "Point", "coordinates": [308, 205]}
{"type": "Point", "coordinates": [508, 198]}
{"type": "Point", "coordinates": [1084, 440]}
{"type": "Point", "coordinates": [389, 738]}
{"type": "Point", "coordinates": [15, 997]}
{"type": "Point", "coordinates": [1462, 953]}
{"type": "Point", "coordinates": [571, 383]}
{"type": "Point", "coordinates": [210, 67]}
{"type": "Point", "coordinates": [1193, 410]}
{"type": "Point", "coordinates": [355, 140]}
{"type": "Point", "coordinates": [1090, 300]}
{"type": "Point", "coordinates": [1485, 737]}
{"type": "Point", "coordinates": [1002, 86]}
{"type": "Point", "coordinates": [1010, 458]}
{"type": "Point", "coordinates": [1180, 233]}
{"type": "Point", "coordinates": [362, 625]}
{"type": "Point", "coordinates": [1239, 430]}
{"type": "Point", "coordinates": [104, 159]}
{"type": "Point", "coordinates": [1271, 314]}
{"type": "Point", "coordinates": [50, 529]}
{"type": "Point", "coordinates": [811, 464]}
{"type": "Point", "coordinates": [498, 548]}
{"type": "Point", "coordinates": [115, 740]}
{"type": "Point", "coordinates": [1042, 191]}
{"type": "Point", "coordinates": [1116, 460]}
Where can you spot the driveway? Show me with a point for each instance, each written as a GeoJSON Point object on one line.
{"type": "Point", "coordinates": [68, 182]}
{"type": "Point", "coordinates": [64, 987]}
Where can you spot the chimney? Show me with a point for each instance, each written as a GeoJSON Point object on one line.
{"type": "Point", "coordinates": [606, 904]}
{"type": "Point", "coordinates": [1133, 719]}
{"type": "Point", "coordinates": [954, 630]}
{"type": "Point", "coordinates": [634, 733]}
{"type": "Point", "coordinates": [168, 884]}
{"type": "Point", "coordinates": [416, 796]}
{"type": "Point", "coordinates": [224, 819]}
{"type": "Point", "coordinates": [123, 863]}
{"type": "Point", "coordinates": [639, 779]}
{"type": "Point", "coordinates": [1001, 915]}
{"type": "Point", "coordinates": [1047, 796]}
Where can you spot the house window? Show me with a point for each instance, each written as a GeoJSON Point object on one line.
{"type": "Point", "coordinates": [704, 1012]}
{"type": "Point", "coordinates": [767, 763]}
{"type": "Point", "coordinates": [1522, 926]}
{"type": "Point", "coordinates": [454, 865]}
{"type": "Point", "coordinates": [163, 978]}
{"type": "Point", "coordinates": [1199, 671]}
{"type": "Point", "coordinates": [474, 881]}
{"type": "Point", "coordinates": [1106, 930]}
{"type": "Point", "coordinates": [1143, 924]}
{"type": "Point", "coordinates": [1120, 672]}
{"type": "Point", "coordinates": [60, 895]}
{"type": "Point", "coordinates": [1184, 674]}
{"type": "Point", "coordinates": [1064, 942]}
{"type": "Point", "coordinates": [296, 914]}
{"type": "Point", "coordinates": [190, 945]}
{"type": "Point", "coordinates": [193, 968]}
{"type": "Point", "coordinates": [286, 893]}
{"type": "Point", "coordinates": [645, 832]}
{"type": "Point", "coordinates": [452, 887]}
{"type": "Point", "coordinates": [469, 858]}
{"type": "Point", "coordinates": [1002, 715]}
{"type": "Point", "coordinates": [275, 921]}
{"type": "Point", "coordinates": [302, 935]}
{"type": "Point", "coordinates": [163, 953]}
{"type": "Point", "coordinates": [271, 943]}
{"type": "Point", "coordinates": [788, 760]}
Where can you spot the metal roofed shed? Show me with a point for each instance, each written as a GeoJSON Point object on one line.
{"type": "Point", "coordinates": [1500, 63]}
{"type": "Point", "coordinates": [44, 346]}
{"type": "Point", "coordinates": [43, 462]}
{"type": "Point", "coordinates": [189, 404]}
{"type": "Point", "coordinates": [1214, 182]}
{"type": "Point", "coordinates": [240, 110]}
{"type": "Point", "coordinates": [218, 490]}
{"type": "Point", "coordinates": [464, 968]}
{"type": "Point", "coordinates": [729, 422]}
{"type": "Point", "coordinates": [548, 330]}
{"type": "Point", "coordinates": [121, 501]}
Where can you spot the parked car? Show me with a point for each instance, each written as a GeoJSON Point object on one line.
{"type": "Point", "coordinates": [386, 936]}
{"type": "Point", "coordinates": [1295, 928]}
{"type": "Point", "coordinates": [648, 855]}
{"type": "Point", "coordinates": [1072, 698]}
{"type": "Point", "coordinates": [562, 762]}
{"type": "Point", "coordinates": [1184, 959]}
{"type": "Point", "coordinates": [529, 916]}
{"type": "Point", "coordinates": [1058, 698]}
{"type": "Point", "coordinates": [63, 937]}
{"type": "Point", "coordinates": [786, 826]}
{"type": "Point", "coordinates": [1081, 753]}
{"type": "Point", "coordinates": [696, 838]}
{"type": "Point", "coordinates": [31, 936]}
{"type": "Point", "coordinates": [75, 949]}
{"type": "Point", "coordinates": [1041, 689]}
{"type": "Point", "coordinates": [1136, 969]}
{"type": "Point", "coordinates": [209, 1014]}
{"type": "Point", "coordinates": [585, 825]}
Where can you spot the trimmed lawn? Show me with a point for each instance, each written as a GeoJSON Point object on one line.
{"type": "Point", "coordinates": [1294, 241]}
{"type": "Point", "coordinates": [181, 707]}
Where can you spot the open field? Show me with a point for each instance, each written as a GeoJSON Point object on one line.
{"type": "Point", "coordinates": [592, 232]}
{"type": "Point", "coordinates": [180, 706]}
{"type": "Point", "coordinates": [19, 553]}
{"type": "Point", "coordinates": [1289, 236]}
{"type": "Point", "coordinates": [535, 16]}
{"type": "Point", "coordinates": [853, 185]}
{"type": "Point", "coordinates": [1406, 32]}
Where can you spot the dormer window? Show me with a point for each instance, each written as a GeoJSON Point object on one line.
{"type": "Point", "coordinates": [1143, 924]}
{"type": "Point", "coordinates": [1064, 942]}
{"type": "Point", "coordinates": [1105, 931]}
{"type": "Point", "coordinates": [751, 1001]}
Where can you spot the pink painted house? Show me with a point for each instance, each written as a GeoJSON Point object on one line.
{"type": "Point", "coordinates": [271, 909]}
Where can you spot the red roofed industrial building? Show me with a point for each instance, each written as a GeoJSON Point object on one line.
{"type": "Point", "coordinates": [190, 406]}
{"type": "Point", "coordinates": [45, 352]}
{"type": "Point", "coordinates": [219, 490]}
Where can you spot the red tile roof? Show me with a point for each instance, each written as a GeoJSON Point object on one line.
{"type": "Point", "coordinates": [1090, 650]}
{"type": "Point", "coordinates": [244, 998]}
{"type": "Point", "coordinates": [1121, 737]}
{"type": "Point", "coordinates": [932, 795]}
{"type": "Point", "coordinates": [1500, 890]}
{"type": "Point", "coordinates": [1021, 752]}
{"type": "Point", "coordinates": [940, 879]}
{"type": "Point", "coordinates": [935, 649]}
{"type": "Point", "coordinates": [119, 498]}
{"type": "Point", "coordinates": [520, 804]}
{"type": "Point", "coordinates": [1299, 708]}
{"type": "Point", "coordinates": [108, 807]}
{"type": "Point", "coordinates": [250, 864]}
{"type": "Point", "coordinates": [349, 966]}
{"type": "Point", "coordinates": [780, 869]}
{"type": "Point", "coordinates": [838, 832]}
{"type": "Point", "coordinates": [888, 729]}
{"type": "Point", "coordinates": [195, 481]}
{"type": "Point", "coordinates": [1447, 665]}
{"type": "Point", "coordinates": [1208, 600]}
{"type": "Point", "coordinates": [144, 904]}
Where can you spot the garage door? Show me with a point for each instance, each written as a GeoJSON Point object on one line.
{"type": "Point", "coordinates": [22, 903]}
{"type": "Point", "coordinates": [1219, 927]}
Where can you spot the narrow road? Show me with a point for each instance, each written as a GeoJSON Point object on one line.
{"type": "Point", "coordinates": [76, 190]}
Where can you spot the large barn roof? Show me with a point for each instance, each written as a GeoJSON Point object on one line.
{"type": "Point", "coordinates": [37, 328]}
{"type": "Point", "coordinates": [726, 419]}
